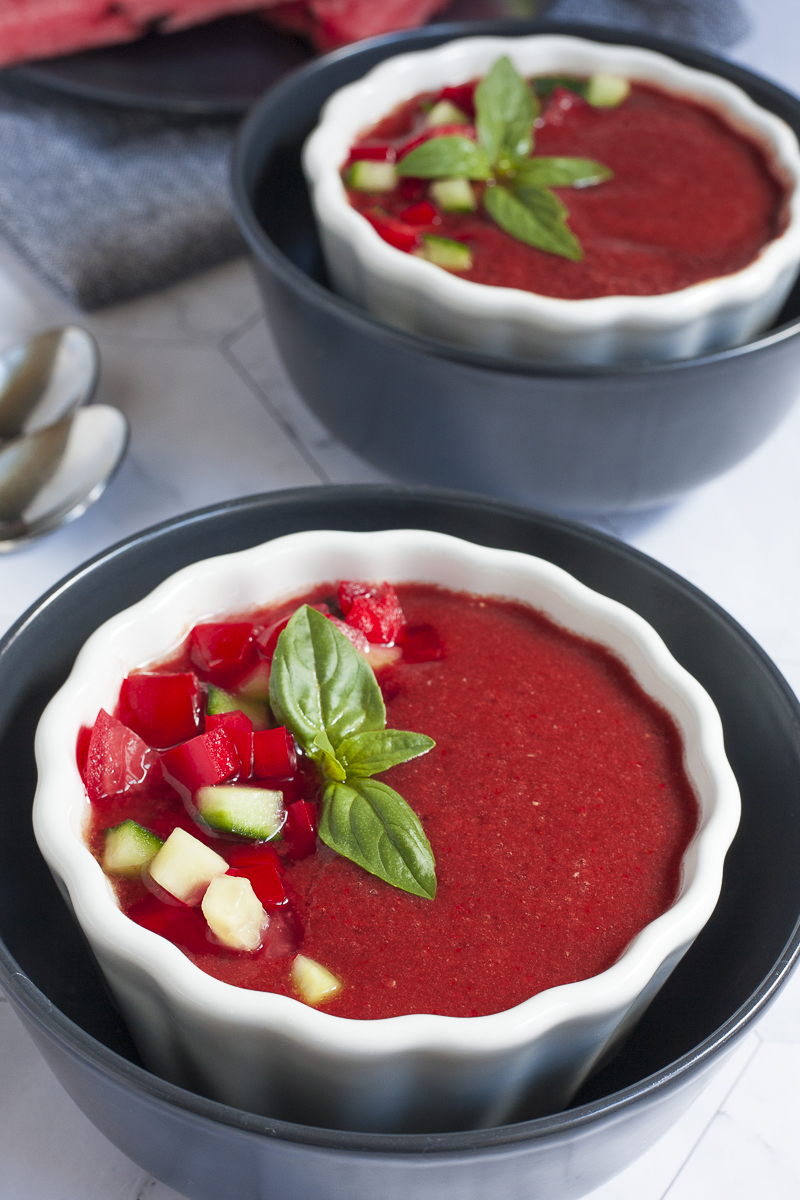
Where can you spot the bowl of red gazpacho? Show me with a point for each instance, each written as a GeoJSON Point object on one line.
{"type": "Point", "coordinates": [408, 827]}
{"type": "Point", "coordinates": [558, 199]}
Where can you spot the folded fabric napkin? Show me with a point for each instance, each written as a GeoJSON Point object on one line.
{"type": "Point", "coordinates": [107, 203]}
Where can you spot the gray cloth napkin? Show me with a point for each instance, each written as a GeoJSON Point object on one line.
{"type": "Point", "coordinates": [107, 203]}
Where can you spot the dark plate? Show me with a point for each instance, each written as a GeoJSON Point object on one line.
{"type": "Point", "coordinates": [210, 70]}
{"type": "Point", "coordinates": [210, 1152]}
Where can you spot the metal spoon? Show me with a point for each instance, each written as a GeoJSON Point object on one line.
{"type": "Point", "coordinates": [52, 475]}
{"type": "Point", "coordinates": [45, 378]}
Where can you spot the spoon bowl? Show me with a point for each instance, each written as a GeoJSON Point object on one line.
{"type": "Point", "coordinates": [45, 378]}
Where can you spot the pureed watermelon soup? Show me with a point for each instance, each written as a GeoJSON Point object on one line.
{"type": "Point", "coordinates": [523, 817]}
{"type": "Point", "coordinates": [565, 186]}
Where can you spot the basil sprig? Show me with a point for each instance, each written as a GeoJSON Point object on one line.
{"type": "Point", "coordinates": [517, 194]}
{"type": "Point", "coordinates": [324, 691]}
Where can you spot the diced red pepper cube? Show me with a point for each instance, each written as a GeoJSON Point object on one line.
{"type": "Point", "coordinates": [420, 214]}
{"type": "Point", "coordinates": [117, 759]}
{"type": "Point", "coordinates": [436, 131]}
{"type": "Point", "coordinates": [266, 881]}
{"type": "Point", "coordinates": [374, 609]}
{"type": "Point", "coordinates": [463, 96]}
{"type": "Point", "coordinates": [240, 728]}
{"type": "Point", "coordinates": [252, 854]}
{"type": "Point", "coordinates": [274, 754]}
{"type": "Point", "coordinates": [205, 760]}
{"type": "Point", "coordinates": [162, 708]}
{"type": "Point", "coordinates": [382, 153]}
{"type": "Point", "coordinates": [421, 643]}
{"type": "Point", "coordinates": [178, 923]}
{"type": "Point", "coordinates": [222, 651]}
{"type": "Point", "coordinates": [300, 829]}
{"type": "Point", "coordinates": [352, 634]}
{"type": "Point", "coordinates": [395, 232]}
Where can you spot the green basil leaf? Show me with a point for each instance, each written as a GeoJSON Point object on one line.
{"type": "Point", "coordinates": [370, 752]}
{"type": "Point", "coordinates": [505, 109]}
{"type": "Point", "coordinates": [543, 172]}
{"type": "Point", "coordinates": [367, 822]}
{"type": "Point", "coordinates": [321, 688]}
{"type": "Point", "coordinates": [451, 157]}
{"type": "Point", "coordinates": [534, 216]}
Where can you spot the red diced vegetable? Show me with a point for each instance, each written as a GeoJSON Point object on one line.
{"type": "Point", "coordinates": [117, 759]}
{"type": "Point", "coordinates": [352, 634]}
{"type": "Point", "coordinates": [463, 96]}
{"type": "Point", "coordinates": [436, 131]}
{"type": "Point", "coordinates": [82, 749]}
{"type": "Point", "coordinates": [203, 761]}
{"type": "Point", "coordinates": [300, 829]}
{"type": "Point", "coordinates": [252, 854]}
{"type": "Point", "coordinates": [222, 651]}
{"type": "Point", "coordinates": [266, 881]}
{"type": "Point", "coordinates": [372, 154]}
{"type": "Point", "coordinates": [420, 214]}
{"type": "Point", "coordinates": [395, 232]}
{"type": "Point", "coordinates": [240, 728]}
{"type": "Point", "coordinates": [162, 709]}
{"type": "Point", "coordinates": [421, 643]}
{"type": "Point", "coordinates": [561, 103]}
{"type": "Point", "coordinates": [274, 754]}
{"type": "Point", "coordinates": [178, 923]}
{"type": "Point", "coordinates": [375, 610]}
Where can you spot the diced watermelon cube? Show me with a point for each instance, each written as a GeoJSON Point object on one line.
{"type": "Point", "coordinates": [117, 760]}
{"type": "Point", "coordinates": [374, 609]}
{"type": "Point", "coordinates": [176, 922]}
{"type": "Point", "coordinates": [274, 754]}
{"type": "Point", "coordinates": [420, 214]}
{"type": "Point", "coordinates": [395, 232]}
{"type": "Point", "coordinates": [205, 760]}
{"type": "Point", "coordinates": [240, 728]}
{"type": "Point", "coordinates": [372, 154]}
{"type": "Point", "coordinates": [252, 854]}
{"type": "Point", "coordinates": [162, 708]}
{"type": "Point", "coordinates": [222, 651]}
{"type": "Point", "coordinates": [300, 829]}
{"type": "Point", "coordinates": [463, 96]}
{"type": "Point", "coordinates": [266, 881]}
{"type": "Point", "coordinates": [421, 643]}
{"type": "Point", "coordinates": [352, 634]}
{"type": "Point", "coordinates": [82, 749]}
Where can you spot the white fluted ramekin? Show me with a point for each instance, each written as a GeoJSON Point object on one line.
{"type": "Point", "coordinates": [413, 294]}
{"type": "Point", "coordinates": [272, 1054]}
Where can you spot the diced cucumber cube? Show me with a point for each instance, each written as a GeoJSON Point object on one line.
{"type": "Point", "coordinates": [607, 91]}
{"type": "Point", "coordinates": [446, 113]}
{"type": "Point", "coordinates": [444, 252]}
{"type": "Point", "coordinates": [454, 195]}
{"type": "Point", "coordinates": [314, 982]}
{"type": "Point", "coordinates": [234, 913]}
{"type": "Point", "coordinates": [128, 847]}
{"type": "Point", "coordinates": [184, 867]}
{"type": "Point", "coordinates": [255, 685]}
{"type": "Point", "coordinates": [220, 701]}
{"type": "Point", "coordinates": [366, 175]}
{"type": "Point", "coordinates": [248, 811]}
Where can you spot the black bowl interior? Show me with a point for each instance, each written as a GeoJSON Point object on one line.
{"type": "Point", "coordinates": [734, 967]}
{"type": "Point", "coordinates": [277, 190]}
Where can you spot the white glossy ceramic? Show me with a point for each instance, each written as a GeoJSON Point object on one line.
{"type": "Point", "coordinates": [414, 294]}
{"type": "Point", "coordinates": [272, 1054]}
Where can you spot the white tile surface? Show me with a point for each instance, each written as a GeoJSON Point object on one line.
{"type": "Point", "coordinates": [213, 416]}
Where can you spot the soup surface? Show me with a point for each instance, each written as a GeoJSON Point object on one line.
{"type": "Point", "coordinates": [555, 801]}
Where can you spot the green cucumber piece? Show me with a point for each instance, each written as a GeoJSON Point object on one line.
{"type": "Point", "coordinates": [219, 701]}
{"type": "Point", "coordinates": [454, 195]}
{"type": "Point", "coordinates": [444, 252]}
{"type": "Point", "coordinates": [607, 91]}
{"type": "Point", "coordinates": [249, 811]}
{"type": "Point", "coordinates": [128, 847]}
{"type": "Point", "coordinates": [367, 175]}
{"type": "Point", "coordinates": [446, 113]}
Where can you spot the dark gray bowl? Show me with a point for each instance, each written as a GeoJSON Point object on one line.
{"type": "Point", "coordinates": [208, 1151]}
{"type": "Point", "coordinates": [577, 439]}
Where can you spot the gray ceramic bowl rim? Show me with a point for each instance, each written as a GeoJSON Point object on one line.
{"type": "Point", "coordinates": [263, 115]}
{"type": "Point", "coordinates": [54, 1024]}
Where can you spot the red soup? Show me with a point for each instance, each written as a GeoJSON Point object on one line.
{"type": "Point", "coordinates": [690, 198]}
{"type": "Point", "coordinates": [555, 802]}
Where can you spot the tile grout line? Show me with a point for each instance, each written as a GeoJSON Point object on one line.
{"type": "Point", "coordinates": [285, 425]}
{"type": "Point", "coordinates": [711, 1121]}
